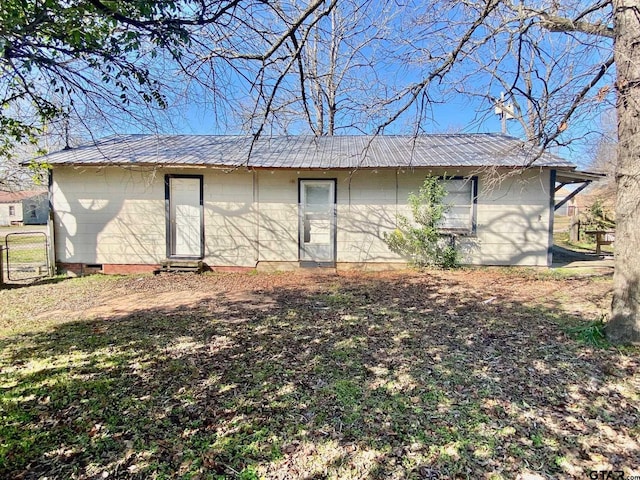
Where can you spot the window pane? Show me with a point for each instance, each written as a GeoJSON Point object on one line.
{"type": "Point", "coordinates": [459, 200]}
{"type": "Point", "coordinates": [458, 185]}
{"type": "Point", "coordinates": [458, 217]}
{"type": "Point", "coordinates": [317, 194]}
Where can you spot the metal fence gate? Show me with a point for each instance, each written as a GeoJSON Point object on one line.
{"type": "Point", "coordinates": [27, 255]}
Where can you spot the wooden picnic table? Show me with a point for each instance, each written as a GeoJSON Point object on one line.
{"type": "Point", "coordinates": [603, 237]}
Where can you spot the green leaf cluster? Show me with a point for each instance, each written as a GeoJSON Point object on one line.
{"type": "Point", "coordinates": [53, 53]}
{"type": "Point", "coordinates": [421, 238]}
{"type": "Point", "coordinates": [598, 217]}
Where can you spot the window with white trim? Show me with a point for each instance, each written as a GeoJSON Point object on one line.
{"type": "Point", "coordinates": [461, 200]}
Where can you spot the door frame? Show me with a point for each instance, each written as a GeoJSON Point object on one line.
{"type": "Point", "coordinates": [168, 219]}
{"type": "Point", "coordinates": [334, 224]}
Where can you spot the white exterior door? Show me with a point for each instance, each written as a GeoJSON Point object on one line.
{"type": "Point", "coordinates": [185, 217]}
{"type": "Point", "coordinates": [317, 229]}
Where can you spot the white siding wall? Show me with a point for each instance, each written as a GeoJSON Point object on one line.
{"type": "Point", "coordinates": [115, 215]}
{"type": "Point", "coordinates": [229, 218]}
{"type": "Point", "coordinates": [513, 220]}
{"type": "Point", "coordinates": [5, 218]}
{"type": "Point", "coordinates": [277, 197]}
{"type": "Point", "coordinates": [512, 215]}
{"type": "Point", "coordinates": [109, 215]}
{"type": "Point", "coordinates": [366, 209]}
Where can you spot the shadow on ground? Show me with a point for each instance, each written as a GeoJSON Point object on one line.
{"type": "Point", "coordinates": [15, 284]}
{"type": "Point", "coordinates": [377, 378]}
{"type": "Point", "coordinates": [564, 257]}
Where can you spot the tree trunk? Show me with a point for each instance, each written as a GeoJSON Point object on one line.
{"type": "Point", "coordinates": [624, 326]}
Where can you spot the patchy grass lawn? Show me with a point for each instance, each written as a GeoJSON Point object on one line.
{"type": "Point", "coordinates": [586, 245]}
{"type": "Point", "coordinates": [469, 374]}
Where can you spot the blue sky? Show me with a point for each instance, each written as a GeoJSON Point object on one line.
{"type": "Point", "coordinates": [398, 60]}
{"type": "Point", "coordinates": [460, 115]}
{"type": "Point", "coordinates": [469, 111]}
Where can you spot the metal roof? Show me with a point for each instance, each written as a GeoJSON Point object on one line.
{"type": "Point", "coordinates": [15, 197]}
{"type": "Point", "coordinates": [309, 152]}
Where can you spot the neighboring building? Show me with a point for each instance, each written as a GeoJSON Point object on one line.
{"type": "Point", "coordinates": [35, 209]}
{"type": "Point", "coordinates": [24, 208]}
{"type": "Point", "coordinates": [128, 203]}
{"type": "Point", "coordinates": [569, 208]}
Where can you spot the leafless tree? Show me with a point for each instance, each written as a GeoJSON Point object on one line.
{"type": "Point", "coordinates": [618, 22]}
{"type": "Point", "coordinates": [336, 80]}
{"type": "Point", "coordinates": [596, 45]}
{"type": "Point", "coordinates": [329, 82]}
{"type": "Point", "coordinates": [561, 62]}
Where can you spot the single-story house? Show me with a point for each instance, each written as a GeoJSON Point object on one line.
{"type": "Point", "coordinates": [129, 203]}
{"type": "Point", "coordinates": [28, 207]}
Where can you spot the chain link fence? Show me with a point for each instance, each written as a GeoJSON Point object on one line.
{"type": "Point", "coordinates": [26, 256]}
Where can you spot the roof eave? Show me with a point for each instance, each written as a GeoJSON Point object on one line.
{"type": "Point", "coordinates": [577, 176]}
{"type": "Point", "coordinates": [76, 164]}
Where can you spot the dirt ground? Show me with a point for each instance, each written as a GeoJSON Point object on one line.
{"type": "Point", "coordinates": [574, 293]}
{"type": "Point", "coordinates": [184, 290]}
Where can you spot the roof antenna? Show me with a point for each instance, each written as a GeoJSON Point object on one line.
{"type": "Point", "coordinates": [504, 111]}
{"type": "Point", "coordinates": [65, 123]}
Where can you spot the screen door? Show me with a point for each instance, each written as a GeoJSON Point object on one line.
{"type": "Point", "coordinates": [317, 230]}
{"type": "Point", "coordinates": [185, 217]}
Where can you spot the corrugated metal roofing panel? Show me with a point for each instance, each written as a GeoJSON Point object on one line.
{"type": "Point", "coordinates": [308, 152]}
